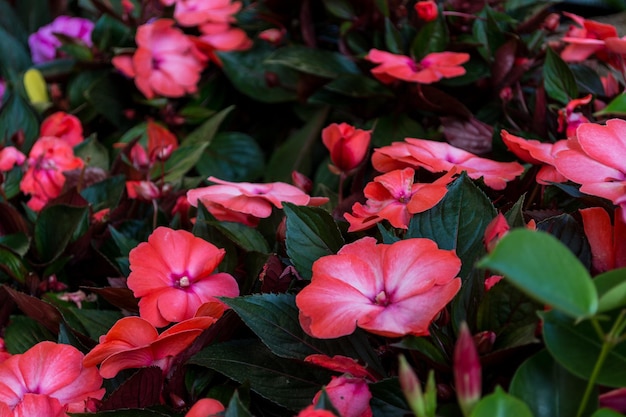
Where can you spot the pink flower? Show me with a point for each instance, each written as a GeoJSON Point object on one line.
{"type": "Point", "coordinates": [569, 120]}
{"type": "Point", "coordinates": [389, 290]}
{"type": "Point", "coordinates": [133, 342]}
{"type": "Point", "coordinates": [311, 411]}
{"type": "Point", "coordinates": [426, 10]}
{"type": "Point", "coordinates": [63, 126]}
{"type": "Point", "coordinates": [197, 12]}
{"type": "Point", "coordinates": [608, 247]}
{"type": "Point", "coordinates": [205, 407]}
{"type": "Point", "coordinates": [4, 354]}
{"type": "Point", "coordinates": [347, 145]}
{"type": "Point", "coordinates": [44, 43]}
{"type": "Point", "coordinates": [272, 36]}
{"type": "Point", "coordinates": [395, 197]}
{"type": "Point", "coordinates": [586, 40]}
{"type": "Point", "coordinates": [440, 156]}
{"type": "Point", "coordinates": [246, 202]}
{"type": "Point", "coordinates": [173, 274]}
{"type": "Point", "coordinates": [49, 376]}
{"type": "Point", "coordinates": [47, 161]}
{"type": "Point", "coordinates": [537, 153]}
{"type": "Point", "coordinates": [491, 281]}
{"type": "Point", "coordinates": [9, 157]}
{"type": "Point", "coordinates": [161, 142]}
{"type": "Point", "coordinates": [142, 190]}
{"type": "Point", "coordinates": [595, 158]}
{"type": "Point", "coordinates": [432, 68]}
{"type": "Point", "coordinates": [166, 61]}
{"type": "Point", "coordinates": [221, 37]}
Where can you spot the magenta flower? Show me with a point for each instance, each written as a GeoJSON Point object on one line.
{"type": "Point", "coordinates": [44, 43]}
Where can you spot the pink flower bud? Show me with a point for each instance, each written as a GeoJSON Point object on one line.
{"type": "Point", "coordinates": [347, 145]}
{"type": "Point", "coordinates": [423, 404]}
{"type": "Point", "coordinates": [551, 23]}
{"type": "Point", "coordinates": [302, 181]}
{"type": "Point", "coordinates": [426, 10]}
{"type": "Point", "coordinates": [467, 371]}
{"type": "Point", "coordinates": [494, 231]}
{"type": "Point", "coordinates": [273, 36]}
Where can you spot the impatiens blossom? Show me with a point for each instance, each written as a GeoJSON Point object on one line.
{"type": "Point", "coordinates": [174, 273]}
{"type": "Point", "coordinates": [395, 197]}
{"type": "Point", "coordinates": [197, 12]}
{"type": "Point", "coordinates": [346, 144]}
{"type": "Point", "coordinates": [390, 290]}
{"type": "Point", "coordinates": [311, 411]}
{"type": "Point", "coordinates": [49, 158]}
{"type": "Point", "coordinates": [44, 43]}
{"type": "Point", "coordinates": [586, 40]}
{"type": "Point", "coordinates": [608, 246]}
{"type": "Point", "coordinates": [166, 62]}
{"type": "Point", "coordinates": [133, 342]}
{"type": "Point", "coordinates": [63, 126]}
{"type": "Point", "coordinates": [595, 158]}
{"type": "Point", "coordinates": [537, 153]}
{"type": "Point", "coordinates": [432, 68]}
{"type": "Point", "coordinates": [4, 354]}
{"type": "Point", "coordinates": [440, 156]}
{"type": "Point", "coordinates": [246, 202]}
{"type": "Point", "coordinates": [221, 37]}
{"type": "Point", "coordinates": [10, 157]}
{"type": "Point", "coordinates": [569, 120]}
{"type": "Point", "coordinates": [205, 407]}
{"type": "Point", "coordinates": [49, 377]}
{"type": "Point", "coordinates": [426, 10]}
{"type": "Point", "coordinates": [142, 190]}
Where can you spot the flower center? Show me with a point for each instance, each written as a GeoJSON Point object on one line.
{"type": "Point", "coordinates": [381, 299]}
{"type": "Point", "coordinates": [183, 282]}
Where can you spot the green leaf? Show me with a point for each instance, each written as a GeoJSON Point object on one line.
{"type": "Point", "coordinates": [11, 266]}
{"type": "Point", "coordinates": [558, 79]}
{"type": "Point", "coordinates": [247, 238]}
{"type": "Point", "coordinates": [93, 153]}
{"type": "Point", "coordinates": [232, 156]}
{"type": "Point", "coordinates": [547, 388]}
{"type": "Point", "coordinates": [488, 32]}
{"type": "Point", "coordinates": [313, 61]}
{"type": "Point", "coordinates": [340, 8]}
{"type": "Point", "coordinates": [311, 234]}
{"type": "Point", "coordinates": [453, 226]}
{"type": "Point", "coordinates": [286, 382]}
{"type": "Point", "coordinates": [15, 56]}
{"type": "Point", "coordinates": [611, 287]}
{"type": "Point", "coordinates": [206, 132]}
{"type": "Point", "coordinates": [10, 20]}
{"type": "Point", "coordinates": [54, 228]}
{"type": "Point", "coordinates": [387, 399]}
{"type": "Point", "coordinates": [128, 412]}
{"type": "Point", "coordinates": [546, 270]}
{"type": "Point", "coordinates": [248, 71]}
{"type": "Point", "coordinates": [32, 13]}
{"type": "Point", "coordinates": [394, 128]}
{"type": "Point", "coordinates": [606, 412]}
{"type": "Point", "coordinates": [393, 37]}
{"type": "Point", "coordinates": [587, 79]}
{"type": "Point", "coordinates": [500, 404]}
{"type": "Point", "coordinates": [17, 115]}
{"type": "Point", "coordinates": [236, 408]}
{"type": "Point", "coordinates": [106, 193]}
{"type": "Point", "coordinates": [109, 32]}
{"type": "Point", "coordinates": [94, 322]}
{"type": "Point", "coordinates": [432, 37]}
{"type": "Point", "coordinates": [357, 86]}
{"type": "Point", "coordinates": [105, 97]}
{"type": "Point", "coordinates": [617, 107]}
{"type": "Point", "coordinates": [295, 153]}
{"type": "Point", "coordinates": [577, 347]}
{"type": "Point", "coordinates": [569, 232]}
{"type": "Point", "coordinates": [23, 332]}
{"type": "Point", "coordinates": [274, 319]}
{"type": "Point", "coordinates": [17, 243]}
{"type": "Point", "coordinates": [423, 347]}
{"type": "Point", "coordinates": [181, 161]}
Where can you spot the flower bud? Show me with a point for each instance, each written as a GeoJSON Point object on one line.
{"type": "Point", "coordinates": [467, 371]}
{"type": "Point", "coordinates": [426, 10]}
{"type": "Point", "coordinates": [494, 231]}
{"type": "Point", "coordinates": [423, 404]}
{"type": "Point", "coordinates": [347, 145]}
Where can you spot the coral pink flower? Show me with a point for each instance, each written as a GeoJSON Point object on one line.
{"type": "Point", "coordinates": [426, 10]}
{"type": "Point", "coordinates": [9, 157]}
{"type": "Point", "coordinates": [608, 247]}
{"type": "Point", "coordinates": [133, 342]}
{"type": "Point", "coordinates": [595, 158]}
{"type": "Point", "coordinates": [44, 43]}
{"type": "Point", "coordinates": [63, 126]}
{"type": "Point", "coordinates": [389, 290]}
{"type": "Point", "coordinates": [311, 411]}
{"type": "Point", "coordinates": [272, 36]}
{"type": "Point", "coordinates": [173, 274]}
{"type": "Point", "coordinates": [432, 68]}
{"type": "Point", "coordinates": [536, 153]}
{"type": "Point", "coordinates": [346, 144]}
{"type": "Point", "coordinates": [161, 142]}
{"type": "Point", "coordinates": [205, 407]}
{"type": "Point", "coordinates": [221, 37]}
{"type": "Point", "coordinates": [166, 61]}
{"type": "Point", "coordinates": [197, 12]}
{"type": "Point", "coordinates": [142, 190]}
{"type": "Point", "coordinates": [47, 161]}
{"type": "Point", "coordinates": [4, 354]}
{"type": "Point", "coordinates": [491, 281]}
{"type": "Point", "coordinates": [51, 376]}
{"type": "Point", "coordinates": [246, 202]}
{"type": "Point", "coordinates": [586, 40]}
{"type": "Point", "coordinates": [440, 156]}
{"type": "Point", "coordinates": [569, 120]}
{"type": "Point", "coordinates": [395, 197]}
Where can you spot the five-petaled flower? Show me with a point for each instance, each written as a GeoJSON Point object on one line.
{"type": "Point", "coordinates": [173, 274]}
{"type": "Point", "coordinates": [390, 290]}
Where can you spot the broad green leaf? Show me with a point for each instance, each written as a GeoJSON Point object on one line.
{"type": "Point", "coordinates": [313, 61]}
{"type": "Point", "coordinates": [93, 153]}
{"type": "Point", "coordinates": [542, 267]}
{"type": "Point", "coordinates": [247, 238]}
{"type": "Point", "coordinates": [181, 161]}
{"type": "Point", "coordinates": [206, 132]}
{"type": "Point", "coordinates": [274, 319]}
{"type": "Point", "coordinates": [357, 86]}
{"type": "Point", "coordinates": [606, 412]}
{"type": "Point", "coordinates": [11, 22]}
{"type": "Point", "coordinates": [501, 404]}
{"type": "Point", "coordinates": [54, 228]}
{"type": "Point", "coordinates": [387, 399]}
{"type": "Point", "coordinates": [11, 266]}
{"type": "Point", "coordinates": [569, 232]}
{"type": "Point", "coordinates": [232, 156]}
{"type": "Point", "coordinates": [105, 97]}
{"type": "Point", "coordinates": [311, 234]}
{"type": "Point", "coordinates": [423, 347]}
{"type": "Point", "coordinates": [558, 79]}
{"type": "Point", "coordinates": [432, 37]}
{"type": "Point", "coordinates": [94, 323]}
{"type": "Point", "coordinates": [547, 388]}
{"type": "Point", "coordinates": [17, 243]}
{"type": "Point", "coordinates": [394, 128]}
{"type": "Point", "coordinates": [16, 115]}
{"type": "Point", "coordinates": [15, 56]}
{"type": "Point", "coordinates": [393, 38]}
{"type": "Point", "coordinates": [23, 332]}
{"type": "Point", "coordinates": [488, 32]}
{"type": "Point", "coordinates": [106, 193]}
{"type": "Point", "coordinates": [236, 408]}
{"type": "Point", "coordinates": [577, 347]}
{"type": "Point", "coordinates": [286, 382]}
{"type": "Point", "coordinates": [33, 14]}
{"type": "Point", "coordinates": [515, 216]}
{"type": "Point", "coordinates": [458, 222]}
{"type": "Point", "coordinates": [587, 79]}
{"type": "Point", "coordinates": [617, 107]}
{"type": "Point", "coordinates": [611, 287]}
{"type": "Point", "coordinates": [110, 32]}
{"type": "Point", "coordinates": [248, 71]}
{"type": "Point", "coordinates": [340, 8]}
{"type": "Point", "coordinates": [295, 153]}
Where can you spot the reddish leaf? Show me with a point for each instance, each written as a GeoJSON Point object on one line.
{"type": "Point", "coordinates": [142, 389]}
{"type": "Point", "coordinates": [33, 307]}
{"type": "Point", "coordinates": [504, 58]}
{"type": "Point", "coordinates": [11, 221]}
{"type": "Point", "coordinates": [119, 297]}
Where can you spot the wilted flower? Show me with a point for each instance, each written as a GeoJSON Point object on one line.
{"type": "Point", "coordinates": [346, 144]}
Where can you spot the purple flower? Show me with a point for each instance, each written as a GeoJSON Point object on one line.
{"type": "Point", "coordinates": [43, 43]}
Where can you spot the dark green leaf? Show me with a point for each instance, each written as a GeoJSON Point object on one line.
{"type": "Point", "coordinates": [515, 216]}
{"type": "Point", "coordinates": [247, 238]}
{"type": "Point", "coordinates": [181, 161]}
{"type": "Point", "coordinates": [110, 32]}
{"type": "Point", "coordinates": [587, 80]}
{"type": "Point", "coordinates": [387, 399]}
{"type": "Point", "coordinates": [11, 266]}
{"type": "Point", "coordinates": [423, 346]}
{"type": "Point", "coordinates": [453, 226]}
{"type": "Point", "coordinates": [93, 153]}
{"type": "Point", "coordinates": [611, 287]}
{"type": "Point", "coordinates": [395, 127]}
{"type": "Point", "coordinates": [142, 389]}
{"type": "Point", "coordinates": [546, 270]}
{"type": "Point", "coordinates": [10, 19]}
{"type": "Point", "coordinates": [547, 388]}
{"type": "Point", "coordinates": [128, 412]}
{"type": "Point", "coordinates": [232, 156]}
{"type": "Point", "coordinates": [77, 51]}
{"type": "Point", "coordinates": [17, 115]}
{"type": "Point", "coordinates": [95, 322]}
{"type": "Point", "coordinates": [432, 37]}
{"type": "Point", "coordinates": [54, 228]}
{"type": "Point", "coordinates": [577, 347]}
{"type": "Point", "coordinates": [286, 382]}
{"type": "Point", "coordinates": [606, 412]}
{"type": "Point", "coordinates": [357, 86]}
{"type": "Point", "coordinates": [236, 408]}
{"type": "Point", "coordinates": [17, 243]}
{"type": "Point", "coordinates": [617, 107]}
{"type": "Point", "coordinates": [313, 61]}
{"type": "Point", "coordinates": [393, 38]}
{"type": "Point", "coordinates": [15, 56]}
{"type": "Point", "coordinates": [558, 79]}
{"type": "Point", "coordinates": [340, 8]}
{"type": "Point", "coordinates": [106, 193]}
{"type": "Point", "coordinates": [569, 232]}
{"type": "Point", "coordinates": [488, 32]}
{"type": "Point", "coordinates": [500, 404]}
{"type": "Point", "coordinates": [105, 97]}
{"type": "Point", "coordinates": [23, 332]}
{"type": "Point", "coordinates": [206, 132]}
{"type": "Point", "coordinates": [311, 234]}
